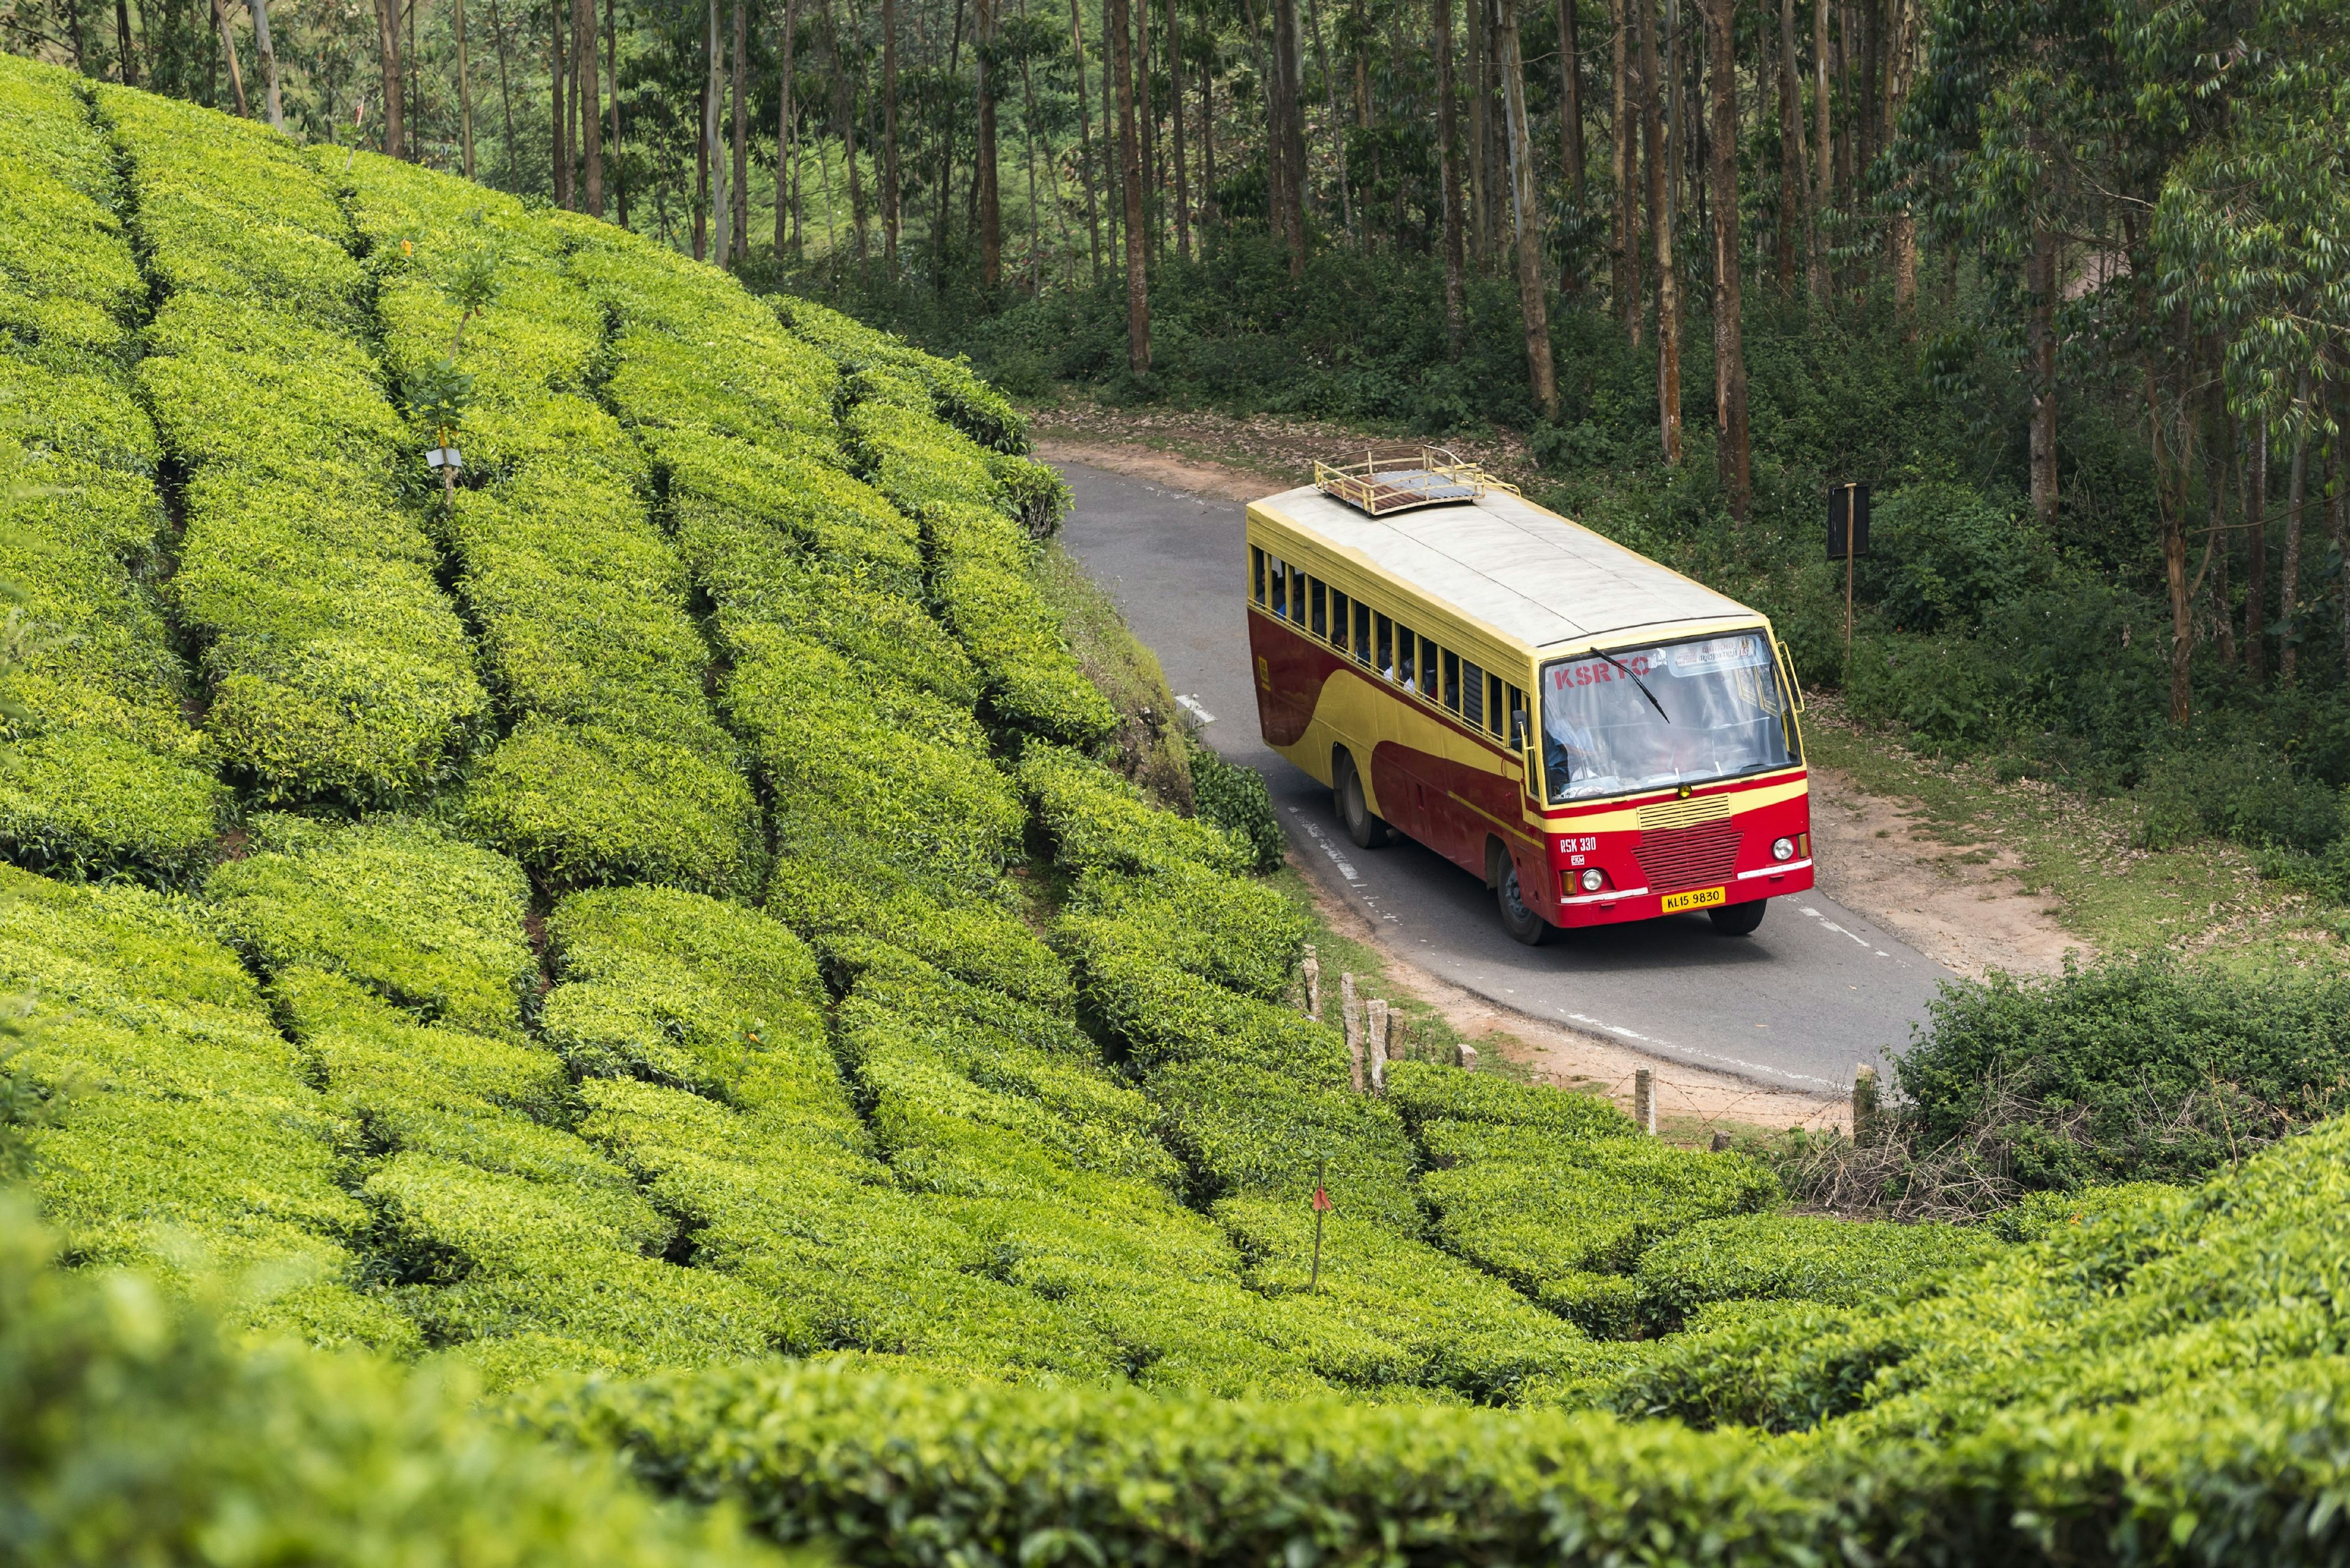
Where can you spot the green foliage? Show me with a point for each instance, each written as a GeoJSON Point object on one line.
{"type": "Point", "coordinates": [336, 666]}
{"type": "Point", "coordinates": [1099, 822]}
{"type": "Point", "coordinates": [962, 399]}
{"type": "Point", "coordinates": [145, 1431]}
{"type": "Point", "coordinates": [1799, 1257]}
{"type": "Point", "coordinates": [183, 1132]}
{"type": "Point", "coordinates": [2128, 1069]}
{"type": "Point", "coordinates": [1235, 799]}
{"type": "Point", "coordinates": [1425, 1094]}
{"type": "Point", "coordinates": [423, 921]}
{"type": "Point", "coordinates": [1549, 1212]}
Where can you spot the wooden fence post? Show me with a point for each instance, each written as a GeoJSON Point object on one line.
{"type": "Point", "coordinates": [1312, 984]}
{"type": "Point", "coordinates": [1352, 1016]}
{"type": "Point", "coordinates": [1379, 1034]}
{"type": "Point", "coordinates": [1644, 1101]}
{"type": "Point", "coordinates": [1864, 1103]}
{"type": "Point", "coordinates": [1466, 1054]}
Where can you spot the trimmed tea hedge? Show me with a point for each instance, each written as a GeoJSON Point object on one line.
{"type": "Point", "coordinates": [960, 398]}
{"type": "Point", "coordinates": [1797, 1257]}
{"type": "Point", "coordinates": [145, 1431]}
{"type": "Point", "coordinates": [107, 774]}
{"type": "Point", "coordinates": [186, 1133]}
{"type": "Point", "coordinates": [616, 769]}
{"type": "Point", "coordinates": [334, 666]}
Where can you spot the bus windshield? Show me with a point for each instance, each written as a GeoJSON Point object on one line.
{"type": "Point", "coordinates": [1674, 712]}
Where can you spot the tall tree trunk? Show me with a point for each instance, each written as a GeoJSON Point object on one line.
{"type": "Point", "coordinates": [1624, 166]}
{"type": "Point", "coordinates": [588, 101]}
{"type": "Point", "coordinates": [1130, 155]}
{"type": "Point", "coordinates": [126, 60]}
{"type": "Point", "coordinates": [464, 84]}
{"type": "Point", "coordinates": [1175, 115]}
{"type": "Point", "coordinates": [740, 228]}
{"type": "Point", "coordinates": [1525, 211]}
{"type": "Point", "coordinates": [844, 105]}
{"type": "Point", "coordinates": [612, 76]}
{"type": "Point", "coordinates": [1290, 128]}
{"type": "Point", "coordinates": [1146, 120]}
{"type": "Point", "coordinates": [990, 209]}
{"type": "Point", "coordinates": [1448, 168]}
{"type": "Point", "coordinates": [273, 102]}
{"type": "Point", "coordinates": [1338, 131]}
{"type": "Point", "coordinates": [558, 72]}
{"type": "Point", "coordinates": [395, 94]}
{"type": "Point", "coordinates": [890, 186]}
{"type": "Point", "coordinates": [2340, 492]}
{"type": "Point", "coordinates": [722, 207]}
{"type": "Point", "coordinates": [1731, 460]}
{"type": "Point", "coordinates": [2256, 551]}
{"type": "Point", "coordinates": [2042, 283]}
{"type": "Point", "coordinates": [506, 94]}
{"type": "Point", "coordinates": [1824, 178]}
{"type": "Point", "coordinates": [786, 132]}
{"type": "Point", "coordinates": [1570, 111]}
{"type": "Point", "coordinates": [1661, 229]}
{"type": "Point", "coordinates": [2170, 472]}
{"type": "Point", "coordinates": [2296, 495]}
{"type": "Point", "coordinates": [1793, 217]}
{"type": "Point", "coordinates": [1085, 141]}
{"type": "Point", "coordinates": [228, 52]}
{"type": "Point", "coordinates": [1481, 195]}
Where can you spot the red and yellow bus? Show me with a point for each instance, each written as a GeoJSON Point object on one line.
{"type": "Point", "coordinates": [1598, 736]}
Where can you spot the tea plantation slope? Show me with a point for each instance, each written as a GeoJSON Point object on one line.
{"type": "Point", "coordinates": [334, 666]}
{"type": "Point", "coordinates": [615, 769]}
{"type": "Point", "coordinates": [108, 777]}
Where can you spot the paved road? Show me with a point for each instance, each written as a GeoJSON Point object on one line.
{"type": "Point", "coordinates": [1817, 990]}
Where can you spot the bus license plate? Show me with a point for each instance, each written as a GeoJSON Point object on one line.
{"type": "Point", "coordinates": [1695, 899]}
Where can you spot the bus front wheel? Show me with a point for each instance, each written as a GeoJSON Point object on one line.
{"type": "Point", "coordinates": [1522, 922]}
{"type": "Point", "coordinates": [1367, 830]}
{"type": "Point", "coordinates": [1737, 919]}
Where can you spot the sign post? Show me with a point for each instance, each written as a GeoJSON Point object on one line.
{"type": "Point", "coordinates": [1847, 541]}
{"type": "Point", "coordinates": [1321, 1207]}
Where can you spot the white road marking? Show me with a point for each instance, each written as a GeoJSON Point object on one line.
{"type": "Point", "coordinates": [1191, 705]}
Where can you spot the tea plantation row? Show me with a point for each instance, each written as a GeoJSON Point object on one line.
{"type": "Point", "coordinates": [657, 908]}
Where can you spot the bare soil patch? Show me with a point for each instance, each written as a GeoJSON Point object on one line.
{"type": "Point", "coordinates": [1961, 905]}
{"type": "Point", "coordinates": [1231, 458]}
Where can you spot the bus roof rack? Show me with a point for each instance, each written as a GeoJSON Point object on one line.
{"type": "Point", "coordinates": [1397, 479]}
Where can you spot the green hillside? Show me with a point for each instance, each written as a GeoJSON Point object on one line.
{"type": "Point", "coordinates": [643, 945]}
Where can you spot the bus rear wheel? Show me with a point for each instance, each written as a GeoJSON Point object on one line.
{"type": "Point", "coordinates": [1367, 830]}
{"type": "Point", "coordinates": [1522, 922]}
{"type": "Point", "coordinates": [1737, 919]}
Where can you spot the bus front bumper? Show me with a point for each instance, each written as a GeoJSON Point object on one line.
{"type": "Point", "coordinates": [1615, 905]}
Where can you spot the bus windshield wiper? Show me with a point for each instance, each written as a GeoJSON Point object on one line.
{"type": "Point", "coordinates": [1635, 681]}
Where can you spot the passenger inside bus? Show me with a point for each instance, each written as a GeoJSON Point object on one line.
{"type": "Point", "coordinates": [1675, 714]}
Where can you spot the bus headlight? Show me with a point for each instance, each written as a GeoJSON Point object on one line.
{"type": "Point", "coordinates": [1593, 880]}
{"type": "Point", "coordinates": [1783, 850]}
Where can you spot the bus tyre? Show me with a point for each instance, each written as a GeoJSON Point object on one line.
{"type": "Point", "coordinates": [1521, 922]}
{"type": "Point", "coordinates": [1367, 831]}
{"type": "Point", "coordinates": [1737, 919]}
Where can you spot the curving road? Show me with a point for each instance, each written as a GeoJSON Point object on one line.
{"type": "Point", "coordinates": [1815, 993]}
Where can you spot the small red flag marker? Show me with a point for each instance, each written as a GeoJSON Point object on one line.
{"type": "Point", "coordinates": [1321, 1201]}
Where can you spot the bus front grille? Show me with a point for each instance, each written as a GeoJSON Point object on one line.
{"type": "Point", "coordinates": [1682, 858]}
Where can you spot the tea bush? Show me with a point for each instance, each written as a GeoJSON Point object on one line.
{"type": "Point", "coordinates": [616, 769]}
{"type": "Point", "coordinates": [334, 666]}
{"type": "Point", "coordinates": [107, 776]}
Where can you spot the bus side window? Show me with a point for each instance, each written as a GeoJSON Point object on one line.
{"type": "Point", "coordinates": [1256, 574]}
{"type": "Point", "coordinates": [1338, 619]}
{"type": "Point", "coordinates": [1407, 658]}
{"type": "Point", "coordinates": [1452, 681]}
{"type": "Point", "coordinates": [1319, 597]}
{"type": "Point", "coordinates": [1473, 694]}
{"type": "Point", "coordinates": [1494, 705]}
{"type": "Point", "coordinates": [1383, 647]}
{"type": "Point", "coordinates": [1297, 581]}
{"type": "Point", "coordinates": [1362, 632]}
{"type": "Point", "coordinates": [1277, 575]}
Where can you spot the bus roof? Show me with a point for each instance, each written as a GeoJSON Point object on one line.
{"type": "Point", "coordinates": [1528, 573]}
